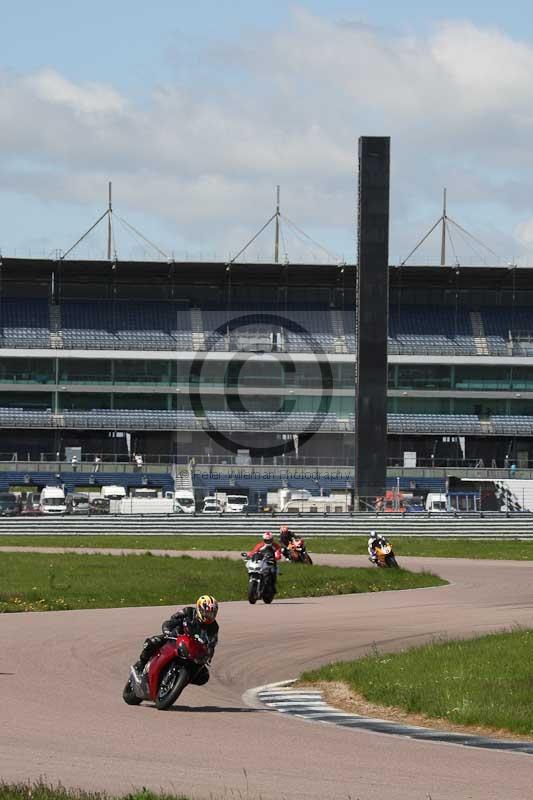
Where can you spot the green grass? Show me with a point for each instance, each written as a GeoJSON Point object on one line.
{"type": "Point", "coordinates": [42, 791]}
{"type": "Point", "coordinates": [485, 682]}
{"type": "Point", "coordinates": [40, 582]}
{"type": "Point", "coordinates": [355, 545]}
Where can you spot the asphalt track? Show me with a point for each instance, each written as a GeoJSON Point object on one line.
{"type": "Point", "coordinates": [62, 715]}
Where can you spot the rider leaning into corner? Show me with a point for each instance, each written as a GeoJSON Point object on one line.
{"type": "Point", "coordinates": [374, 540]}
{"type": "Point", "coordinates": [286, 536]}
{"type": "Point", "coordinates": [198, 620]}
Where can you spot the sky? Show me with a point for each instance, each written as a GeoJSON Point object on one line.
{"type": "Point", "coordinates": [196, 112]}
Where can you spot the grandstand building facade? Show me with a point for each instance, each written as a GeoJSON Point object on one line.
{"type": "Point", "coordinates": [257, 362]}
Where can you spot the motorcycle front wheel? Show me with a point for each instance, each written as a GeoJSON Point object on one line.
{"type": "Point", "coordinates": [268, 592]}
{"type": "Point", "coordinates": [306, 558]}
{"type": "Point", "coordinates": [252, 592]}
{"type": "Point", "coordinates": [129, 696]}
{"type": "Point", "coordinates": [173, 682]}
{"type": "Point", "coordinates": [391, 561]}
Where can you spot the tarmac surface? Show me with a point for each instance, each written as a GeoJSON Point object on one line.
{"type": "Point", "coordinates": [63, 717]}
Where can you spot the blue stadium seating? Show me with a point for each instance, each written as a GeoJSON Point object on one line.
{"type": "Point", "coordinates": [24, 323]}
{"type": "Point", "coordinates": [167, 326]}
{"type": "Point", "coordinates": [126, 325]}
{"type": "Point", "coordinates": [71, 480]}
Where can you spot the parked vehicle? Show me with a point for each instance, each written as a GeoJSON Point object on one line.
{"type": "Point", "coordinates": [436, 502]}
{"type": "Point", "coordinates": [262, 572]}
{"type": "Point", "coordinates": [113, 492]}
{"type": "Point", "coordinates": [385, 555]}
{"type": "Point", "coordinates": [53, 501]}
{"type": "Point", "coordinates": [296, 501]}
{"type": "Point", "coordinates": [10, 504]}
{"type": "Point", "coordinates": [32, 506]}
{"type": "Point", "coordinates": [184, 501]}
{"type": "Point", "coordinates": [298, 552]}
{"type": "Point", "coordinates": [99, 505]}
{"type": "Point", "coordinates": [168, 672]}
{"type": "Point", "coordinates": [139, 503]}
{"type": "Point", "coordinates": [236, 503]}
{"type": "Point", "coordinates": [212, 505]}
{"type": "Point", "coordinates": [77, 503]}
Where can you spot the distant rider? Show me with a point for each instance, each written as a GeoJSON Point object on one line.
{"type": "Point", "coordinates": [374, 541]}
{"type": "Point", "coordinates": [198, 620]}
{"type": "Point", "coordinates": [267, 548]}
{"type": "Point", "coordinates": [286, 536]}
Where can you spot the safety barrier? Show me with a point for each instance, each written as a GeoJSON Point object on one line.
{"type": "Point", "coordinates": [438, 525]}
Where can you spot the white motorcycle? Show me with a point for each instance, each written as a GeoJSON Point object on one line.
{"type": "Point", "coordinates": [262, 572]}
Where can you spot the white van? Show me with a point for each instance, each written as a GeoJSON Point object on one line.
{"type": "Point", "coordinates": [212, 505]}
{"type": "Point", "coordinates": [437, 503]}
{"type": "Point", "coordinates": [113, 492]}
{"type": "Point", "coordinates": [184, 501]}
{"type": "Point", "coordinates": [236, 503]}
{"type": "Point", "coordinates": [52, 500]}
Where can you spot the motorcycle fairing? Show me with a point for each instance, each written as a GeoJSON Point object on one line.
{"type": "Point", "coordinates": [157, 664]}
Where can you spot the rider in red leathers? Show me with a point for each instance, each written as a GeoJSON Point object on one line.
{"type": "Point", "coordinates": [267, 542]}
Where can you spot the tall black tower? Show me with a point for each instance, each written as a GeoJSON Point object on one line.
{"type": "Point", "coordinates": [372, 308]}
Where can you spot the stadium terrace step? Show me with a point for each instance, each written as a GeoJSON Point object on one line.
{"type": "Point", "coordinates": [56, 334]}
{"type": "Point", "coordinates": [478, 330]}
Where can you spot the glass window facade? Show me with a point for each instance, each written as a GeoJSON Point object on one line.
{"type": "Point", "coordinates": [27, 370]}
{"type": "Point", "coordinates": [84, 370]}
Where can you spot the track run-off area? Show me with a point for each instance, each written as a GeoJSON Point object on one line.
{"type": "Point", "coordinates": [63, 717]}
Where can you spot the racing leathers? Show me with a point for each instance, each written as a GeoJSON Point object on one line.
{"type": "Point", "coordinates": [270, 550]}
{"type": "Point", "coordinates": [263, 547]}
{"type": "Point", "coordinates": [184, 621]}
{"type": "Point", "coordinates": [285, 538]}
{"type": "Point", "coordinates": [373, 542]}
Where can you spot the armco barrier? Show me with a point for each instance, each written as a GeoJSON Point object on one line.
{"type": "Point", "coordinates": [496, 525]}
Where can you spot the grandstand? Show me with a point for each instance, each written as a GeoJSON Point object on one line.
{"type": "Point", "coordinates": [257, 362]}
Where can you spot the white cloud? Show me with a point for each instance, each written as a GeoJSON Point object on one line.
{"type": "Point", "coordinates": [51, 87]}
{"type": "Point", "coordinates": [203, 156]}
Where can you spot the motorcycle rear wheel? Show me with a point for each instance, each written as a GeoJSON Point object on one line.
{"type": "Point", "coordinates": [173, 682]}
{"type": "Point", "coordinates": [252, 593]}
{"type": "Point", "coordinates": [129, 696]}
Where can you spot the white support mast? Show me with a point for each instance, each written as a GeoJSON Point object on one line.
{"type": "Point", "coordinates": [276, 243]}
{"type": "Point", "coordinates": [109, 223]}
{"type": "Point", "coordinates": [443, 239]}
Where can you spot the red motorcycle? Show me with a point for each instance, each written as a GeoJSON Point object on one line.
{"type": "Point", "coordinates": [176, 664]}
{"type": "Point", "coordinates": [298, 552]}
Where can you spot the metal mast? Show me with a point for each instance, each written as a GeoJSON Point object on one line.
{"type": "Point", "coordinates": [443, 240]}
{"type": "Point", "coordinates": [276, 244]}
{"type": "Point", "coordinates": [109, 224]}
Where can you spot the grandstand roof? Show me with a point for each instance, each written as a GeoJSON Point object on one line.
{"type": "Point", "coordinates": [481, 277]}
{"type": "Point", "coordinates": [31, 277]}
{"type": "Point", "coordinates": [19, 272]}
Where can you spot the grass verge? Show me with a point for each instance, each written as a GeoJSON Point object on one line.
{"type": "Point", "coordinates": [349, 545]}
{"type": "Point", "coordinates": [42, 791]}
{"type": "Point", "coordinates": [485, 682]}
{"type": "Point", "coordinates": [40, 582]}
